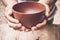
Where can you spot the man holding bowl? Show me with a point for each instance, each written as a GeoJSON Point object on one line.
{"type": "Point", "coordinates": [14, 23]}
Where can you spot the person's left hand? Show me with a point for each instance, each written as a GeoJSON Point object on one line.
{"type": "Point", "coordinates": [38, 26]}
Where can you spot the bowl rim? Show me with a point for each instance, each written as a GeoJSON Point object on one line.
{"type": "Point", "coordinates": [27, 13]}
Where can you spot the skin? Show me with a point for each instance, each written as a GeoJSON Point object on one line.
{"type": "Point", "coordinates": [14, 23]}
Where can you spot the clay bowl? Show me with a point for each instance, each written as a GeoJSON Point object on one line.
{"type": "Point", "coordinates": [29, 13]}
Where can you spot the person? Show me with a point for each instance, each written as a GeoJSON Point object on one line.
{"type": "Point", "coordinates": [14, 23]}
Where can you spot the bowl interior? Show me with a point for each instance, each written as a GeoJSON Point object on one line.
{"type": "Point", "coordinates": [29, 7]}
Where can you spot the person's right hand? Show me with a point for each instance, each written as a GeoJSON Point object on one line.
{"type": "Point", "coordinates": [13, 23]}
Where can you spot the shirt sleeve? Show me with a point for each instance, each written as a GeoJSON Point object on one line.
{"type": "Point", "coordinates": [52, 12]}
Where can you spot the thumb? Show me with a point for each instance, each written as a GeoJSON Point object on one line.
{"type": "Point", "coordinates": [8, 10]}
{"type": "Point", "coordinates": [47, 10]}
{"type": "Point", "coordinates": [46, 7]}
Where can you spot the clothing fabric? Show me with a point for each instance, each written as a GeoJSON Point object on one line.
{"type": "Point", "coordinates": [52, 12]}
{"type": "Point", "coordinates": [48, 32]}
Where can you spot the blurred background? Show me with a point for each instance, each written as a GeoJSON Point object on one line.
{"type": "Point", "coordinates": [56, 17]}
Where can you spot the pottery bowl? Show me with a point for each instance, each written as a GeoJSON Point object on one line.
{"type": "Point", "coordinates": [29, 13]}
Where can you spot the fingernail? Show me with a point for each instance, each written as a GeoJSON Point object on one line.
{"type": "Point", "coordinates": [17, 21]}
{"type": "Point", "coordinates": [19, 25]}
{"type": "Point", "coordinates": [34, 28]}
{"type": "Point", "coordinates": [27, 30]}
{"type": "Point", "coordinates": [23, 28]}
{"type": "Point", "coordinates": [38, 25]}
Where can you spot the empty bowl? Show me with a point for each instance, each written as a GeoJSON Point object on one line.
{"type": "Point", "coordinates": [29, 13]}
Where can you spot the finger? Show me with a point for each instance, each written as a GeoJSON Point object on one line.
{"type": "Point", "coordinates": [8, 14]}
{"type": "Point", "coordinates": [11, 19]}
{"type": "Point", "coordinates": [8, 10]}
{"type": "Point", "coordinates": [34, 28]}
{"type": "Point", "coordinates": [27, 30]}
{"type": "Point", "coordinates": [15, 26]}
{"type": "Point", "coordinates": [47, 8]}
{"type": "Point", "coordinates": [41, 24]}
{"type": "Point", "coordinates": [22, 28]}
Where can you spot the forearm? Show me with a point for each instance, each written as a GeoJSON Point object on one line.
{"type": "Point", "coordinates": [9, 2]}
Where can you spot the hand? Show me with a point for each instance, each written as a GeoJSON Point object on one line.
{"type": "Point", "coordinates": [38, 26]}
{"type": "Point", "coordinates": [13, 23]}
{"type": "Point", "coordinates": [47, 8]}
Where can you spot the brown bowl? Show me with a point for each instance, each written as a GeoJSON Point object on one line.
{"type": "Point", "coordinates": [29, 13]}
